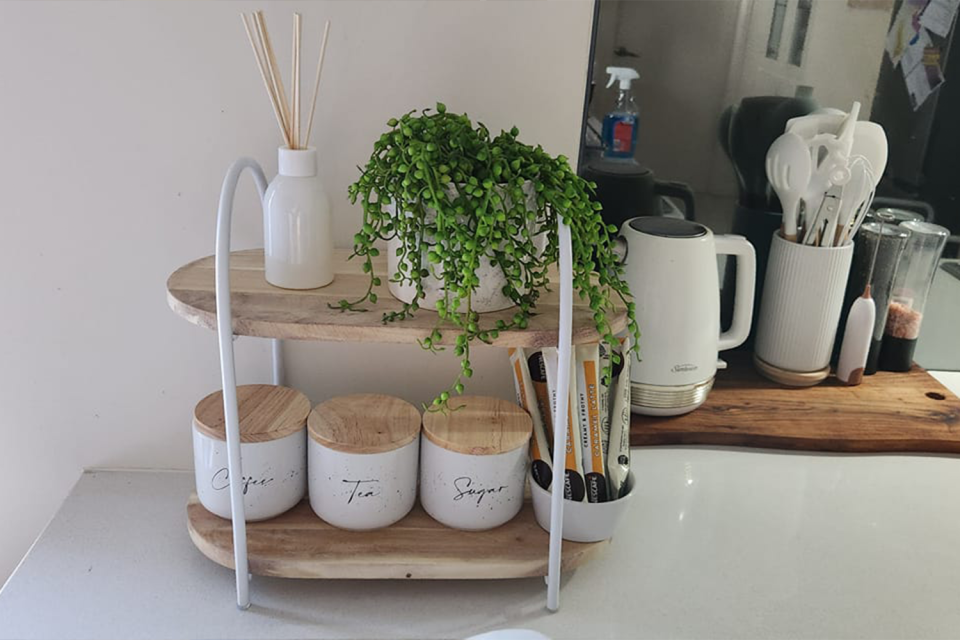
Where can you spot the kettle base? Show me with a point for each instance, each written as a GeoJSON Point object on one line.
{"type": "Point", "coordinates": [658, 400]}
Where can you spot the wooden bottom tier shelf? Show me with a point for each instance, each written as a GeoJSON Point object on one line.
{"type": "Point", "coordinates": [298, 544]}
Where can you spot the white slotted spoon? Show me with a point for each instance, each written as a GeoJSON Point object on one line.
{"type": "Point", "coordinates": [789, 168]}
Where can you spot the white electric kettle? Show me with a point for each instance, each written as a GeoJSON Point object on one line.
{"type": "Point", "coordinates": [671, 267]}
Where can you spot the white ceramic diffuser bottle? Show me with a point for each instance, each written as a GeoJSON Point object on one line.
{"type": "Point", "coordinates": [297, 225]}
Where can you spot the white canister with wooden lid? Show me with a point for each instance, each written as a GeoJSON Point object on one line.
{"type": "Point", "coordinates": [473, 462]}
{"type": "Point", "coordinates": [273, 443]}
{"type": "Point", "coordinates": [363, 455]}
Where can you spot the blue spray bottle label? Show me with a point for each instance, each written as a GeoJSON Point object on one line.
{"type": "Point", "coordinates": [619, 135]}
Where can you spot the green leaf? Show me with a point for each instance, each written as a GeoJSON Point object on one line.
{"type": "Point", "coordinates": [425, 153]}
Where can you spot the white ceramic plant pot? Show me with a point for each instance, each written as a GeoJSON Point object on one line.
{"type": "Point", "coordinates": [363, 455]}
{"type": "Point", "coordinates": [489, 295]}
{"type": "Point", "coordinates": [583, 521]}
{"type": "Point", "coordinates": [800, 309]}
{"type": "Point", "coordinates": [273, 442]}
{"type": "Point", "coordinates": [473, 463]}
{"type": "Point", "coordinates": [297, 224]}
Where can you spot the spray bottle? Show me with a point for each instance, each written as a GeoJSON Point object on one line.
{"type": "Point", "coordinates": [620, 125]}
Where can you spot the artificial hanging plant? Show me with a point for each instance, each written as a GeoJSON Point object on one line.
{"type": "Point", "coordinates": [456, 199]}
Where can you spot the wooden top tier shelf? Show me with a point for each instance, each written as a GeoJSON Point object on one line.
{"type": "Point", "coordinates": [265, 311]}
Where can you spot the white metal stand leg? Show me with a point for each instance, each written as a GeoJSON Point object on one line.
{"type": "Point", "coordinates": [227, 370]}
{"type": "Point", "coordinates": [278, 372]}
{"type": "Point", "coordinates": [564, 347]}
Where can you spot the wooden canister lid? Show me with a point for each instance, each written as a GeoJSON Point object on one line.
{"type": "Point", "coordinates": [267, 412]}
{"type": "Point", "coordinates": [364, 423]}
{"type": "Point", "coordinates": [478, 426]}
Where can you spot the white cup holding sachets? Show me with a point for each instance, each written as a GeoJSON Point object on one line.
{"type": "Point", "coordinates": [363, 455]}
{"type": "Point", "coordinates": [473, 462]}
{"type": "Point", "coordinates": [273, 441]}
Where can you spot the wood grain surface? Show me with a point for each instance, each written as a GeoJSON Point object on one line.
{"type": "Point", "coordinates": [478, 426]}
{"type": "Point", "coordinates": [260, 309]}
{"type": "Point", "coordinates": [888, 412]}
{"type": "Point", "coordinates": [364, 423]}
{"type": "Point", "coordinates": [267, 412]}
{"type": "Point", "coordinates": [298, 544]}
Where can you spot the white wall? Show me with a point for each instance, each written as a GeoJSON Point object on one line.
{"type": "Point", "coordinates": [841, 57]}
{"type": "Point", "coordinates": [117, 122]}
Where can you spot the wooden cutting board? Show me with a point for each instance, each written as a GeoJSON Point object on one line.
{"type": "Point", "coordinates": [889, 412]}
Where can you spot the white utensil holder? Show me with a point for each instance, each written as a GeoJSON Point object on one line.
{"type": "Point", "coordinates": [800, 310]}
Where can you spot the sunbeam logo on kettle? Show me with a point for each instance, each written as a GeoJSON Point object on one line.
{"type": "Point", "coordinates": [671, 267]}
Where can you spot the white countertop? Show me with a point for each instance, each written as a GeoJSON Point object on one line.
{"type": "Point", "coordinates": [720, 543]}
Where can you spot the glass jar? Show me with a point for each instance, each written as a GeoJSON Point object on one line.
{"type": "Point", "coordinates": [893, 215]}
{"type": "Point", "coordinates": [915, 272]}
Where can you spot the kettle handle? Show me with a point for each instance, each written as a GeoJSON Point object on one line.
{"type": "Point", "coordinates": [739, 247]}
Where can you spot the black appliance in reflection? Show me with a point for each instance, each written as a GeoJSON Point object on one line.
{"type": "Point", "coordinates": [627, 190]}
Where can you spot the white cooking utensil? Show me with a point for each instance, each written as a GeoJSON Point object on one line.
{"type": "Point", "coordinates": [812, 222]}
{"type": "Point", "coordinates": [814, 124]}
{"type": "Point", "coordinates": [854, 193]}
{"type": "Point", "coordinates": [789, 167]}
{"type": "Point", "coordinates": [861, 214]}
{"type": "Point", "coordinates": [829, 111]}
{"type": "Point", "coordinates": [826, 218]}
{"type": "Point", "coordinates": [870, 141]}
{"type": "Point", "coordinates": [832, 170]}
{"type": "Point", "coordinates": [846, 130]}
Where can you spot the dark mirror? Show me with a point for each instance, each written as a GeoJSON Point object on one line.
{"type": "Point", "coordinates": [715, 82]}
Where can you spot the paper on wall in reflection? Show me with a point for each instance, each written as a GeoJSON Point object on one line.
{"type": "Point", "coordinates": [913, 54]}
{"type": "Point", "coordinates": [938, 16]}
{"type": "Point", "coordinates": [924, 78]}
{"type": "Point", "coordinates": [905, 29]}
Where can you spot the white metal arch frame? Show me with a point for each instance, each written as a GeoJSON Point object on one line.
{"type": "Point", "coordinates": [229, 382]}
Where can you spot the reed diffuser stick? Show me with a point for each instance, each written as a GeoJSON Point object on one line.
{"type": "Point", "coordinates": [261, 65]}
{"type": "Point", "coordinates": [297, 27]}
{"type": "Point", "coordinates": [316, 86]}
{"type": "Point", "coordinates": [289, 115]}
{"type": "Point", "coordinates": [275, 70]}
{"type": "Point", "coordinates": [258, 31]}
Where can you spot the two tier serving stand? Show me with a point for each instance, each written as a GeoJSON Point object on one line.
{"type": "Point", "coordinates": [228, 292]}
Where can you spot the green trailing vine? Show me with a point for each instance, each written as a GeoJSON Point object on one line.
{"type": "Point", "coordinates": [467, 197]}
